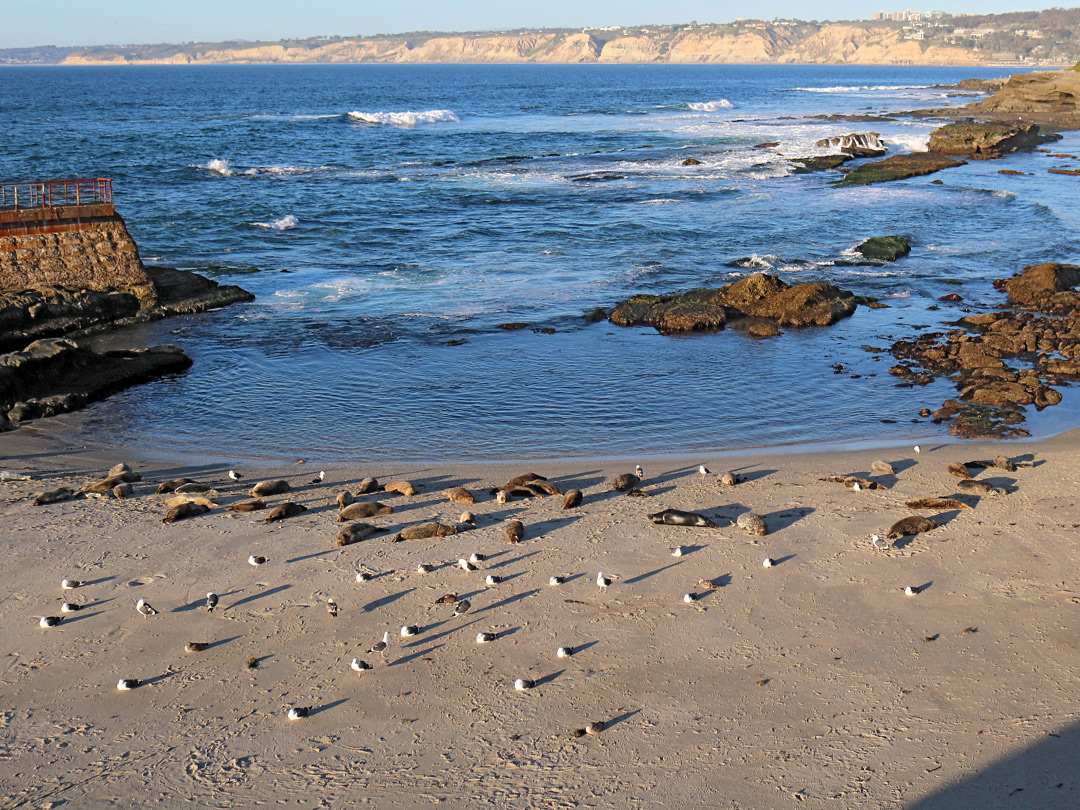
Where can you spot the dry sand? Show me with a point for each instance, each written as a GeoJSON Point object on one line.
{"type": "Point", "coordinates": [813, 684]}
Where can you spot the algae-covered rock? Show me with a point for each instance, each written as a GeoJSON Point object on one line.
{"type": "Point", "coordinates": [897, 167]}
{"type": "Point", "coordinates": [884, 248]}
{"type": "Point", "coordinates": [983, 140]}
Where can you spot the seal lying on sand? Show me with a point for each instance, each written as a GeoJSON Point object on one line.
{"type": "Point", "coordinates": [910, 525]}
{"type": "Point", "coordinates": [677, 517]}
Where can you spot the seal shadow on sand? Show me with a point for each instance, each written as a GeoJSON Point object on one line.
{"type": "Point", "coordinates": [389, 599]}
{"type": "Point", "coordinates": [747, 474]}
{"type": "Point", "coordinates": [783, 518]}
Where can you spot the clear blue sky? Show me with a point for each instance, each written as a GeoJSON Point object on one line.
{"type": "Point", "coordinates": [100, 22]}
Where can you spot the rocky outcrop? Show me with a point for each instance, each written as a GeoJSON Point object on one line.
{"type": "Point", "coordinates": [1003, 361]}
{"type": "Point", "coordinates": [897, 167]}
{"type": "Point", "coordinates": [1051, 97]}
{"type": "Point", "coordinates": [859, 145]}
{"type": "Point", "coordinates": [56, 376]}
{"type": "Point", "coordinates": [884, 248]}
{"type": "Point", "coordinates": [983, 140]}
{"type": "Point", "coordinates": [760, 296]}
{"type": "Point", "coordinates": [181, 292]}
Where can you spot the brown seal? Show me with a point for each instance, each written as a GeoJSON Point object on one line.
{"type": "Point", "coordinates": [185, 510]}
{"type": "Point", "coordinates": [424, 530]}
{"type": "Point", "coordinates": [355, 511]}
{"type": "Point", "coordinates": [573, 498]}
{"type": "Point", "coordinates": [910, 526]}
{"type": "Point", "coordinates": [354, 533]}
{"type": "Point", "coordinates": [401, 487]}
{"type": "Point", "coordinates": [515, 531]}
{"type": "Point", "coordinates": [752, 524]}
{"type": "Point", "coordinates": [247, 506]}
{"type": "Point", "coordinates": [270, 488]}
{"type": "Point", "coordinates": [460, 495]}
{"type": "Point", "coordinates": [285, 510]}
{"type": "Point", "coordinates": [625, 482]}
{"type": "Point", "coordinates": [366, 486]}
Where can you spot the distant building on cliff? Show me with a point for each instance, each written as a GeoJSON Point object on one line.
{"type": "Point", "coordinates": [909, 16]}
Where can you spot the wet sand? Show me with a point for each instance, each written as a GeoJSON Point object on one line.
{"type": "Point", "coordinates": [816, 683]}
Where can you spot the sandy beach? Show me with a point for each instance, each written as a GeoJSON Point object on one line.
{"type": "Point", "coordinates": [814, 683]}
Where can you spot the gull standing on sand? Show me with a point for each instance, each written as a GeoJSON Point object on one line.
{"type": "Point", "coordinates": [639, 472]}
{"type": "Point", "coordinates": [234, 475]}
{"type": "Point", "coordinates": [331, 608]}
{"type": "Point", "coordinates": [145, 608]}
{"type": "Point", "coordinates": [256, 560]}
{"type": "Point", "coordinates": [211, 602]}
{"type": "Point", "coordinates": [602, 582]}
{"type": "Point", "coordinates": [879, 544]}
{"type": "Point", "coordinates": [360, 666]}
{"type": "Point", "coordinates": [466, 565]}
{"type": "Point", "coordinates": [319, 478]}
{"type": "Point", "coordinates": [380, 646]}
{"type": "Point", "coordinates": [50, 621]}
{"type": "Point", "coordinates": [704, 470]}
{"type": "Point", "coordinates": [917, 449]}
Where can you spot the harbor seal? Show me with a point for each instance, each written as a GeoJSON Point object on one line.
{"type": "Point", "coordinates": [185, 510]}
{"type": "Point", "coordinates": [54, 496]}
{"type": "Point", "coordinates": [1004, 463]}
{"type": "Point", "coordinates": [285, 510]}
{"type": "Point", "coordinates": [882, 468]}
{"type": "Point", "coordinates": [937, 503]}
{"type": "Point", "coordinates": [957, 469]}
{"type": "Point", "coordinates": [344, 499]}
{"type": "Point", "coordinates": [625, 482]}
{"type": "Point", "coordinates": [192, 487]}
{"type": "Point", "coordinates": [460, 495]}
{"type": "Point", "coordinates": [515, 531]}
{"type": "Point", "coordinates": [728, 479]}
{"type": "Point", "coordinates": [171, 485]}
{"type": "Point", "coordinates": [269, 488]}
{"type": "Point", "coordinates": [118, 469]}
{"type": "Point", "coordinates": [752, 524]}
{"type": "Point", "coordinates": [356, 511]}
{"type": "Point", "coordinates": [401, 487]}
{"type": "Point", "coordinates": [367, 485]}
{"type": "Point", "coordinates": [981, 487]}
{"type": "Point", "coordinates": [573, 498]}
{"type": "Point", "coordinates": [247, 506]}
{"type": "Point", "coordinates": [542, 487]}
{"type": "Point", "coordinates": [122, 491]}
{"type": "Point", "coordinates": [910, 526]}
{"type": "Point", "coordinates": [423, 531]}
{"type": "Point", "coordinates": [524, 478]}
{"type": "Point", "coordinates": [677, 517]}
{"type": "Point", "coordinates": [354, 533]}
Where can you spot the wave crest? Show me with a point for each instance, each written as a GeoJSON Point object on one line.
{"type": "Point", "coordinates": [862, 88]}
{"type": "Point", "coordinates": [710, 106]}
{"type": "Point", "coordinates": [404, 119]}
{"type": "Point", "coordinates": [283, 224]}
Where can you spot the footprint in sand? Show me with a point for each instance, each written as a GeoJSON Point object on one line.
{"type": "Point", "coordinates": [140, 581]}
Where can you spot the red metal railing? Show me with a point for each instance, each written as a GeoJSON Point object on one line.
{"type": "Point", "coordinates": [55, 193]}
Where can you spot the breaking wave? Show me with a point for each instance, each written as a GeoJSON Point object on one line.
{"type": "Point", "coordinates": [283, 224]}
{"type": "Point", "coordinates": [862, 88]}
{"type": "Point", "coordinates": [218, 167]}
{"type": "Point", "coordinates": [403, 119]}
{"type": "Point", "coordinates": [710, 106]}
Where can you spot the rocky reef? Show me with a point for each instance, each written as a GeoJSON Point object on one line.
{"type": "Point", "coordinates": [765, 300]}
{"type": "Point", "coordinates": [1040, 339]}
{"type": "Point", "coordinates": [1045, 97]}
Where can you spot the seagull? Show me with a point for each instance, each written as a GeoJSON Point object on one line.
{"type": "Point", "coordinates": [492, 579]}
{"type": "Point", "coordinates": [380, 646]}
{"type": "Point", "coordinates": [476, 558]}
{"type": "Point", "coordinates": [211, 602]}
{"type": "Point", "coordinates": [688, 598]}
{"type": "Point", "coordinates": [768, 562]}
{"type": "Point", "coordinates": [145, 608]}
{"type": "Point", "coordinates": [127, 684]}
{"type": "Point", "coordinates": [319, 478]}
{"type": "Point", "coordinates": [409, 630]}
{"type": "Point", "coordinates": [461, 608]}
{"type": "Point", "coordinates": [601, 581]}
{"type": "Point", "coordinates": [466, 565]}
{"type": "Point", "coordinates": [484, 638]}
{"type": "Point", "coordinates": [69, 607]}
{"type": "Point", "coordinates": [917, 449]}
{"type": "Point", "coordinates": [912, 590]}
{"type": "Point", "coordinates": [360, 666]}
{"type": "Point", "coordinates": [195, 646]}
{"type": "Point", "coordinates": [707, 584]}
{"type": "Point", "coordinates": [639, 472]}
{"type": "Point", "coordinates": [703, 470]}
{"type": "Point", "coordinates": [298, 712]}
{"type": "Point", "coordinates": [331, 608]}
{"type": "Point", "coordinates": [234, 475]}
{"type": "Point", "coordinates": [50, 621]}
{"type": "Point", "coordinates": [70, 584]}
{"type": "Point", "coordinates": [521, 684]}
{"type": "Point", "coordinates": [564, 652]}
{"type": "Point", "coordinates": [595, 728]}
{"type": "Point", "coordinates": [362, 576]}
{"type": "Point", "coordinates": [857, 486]}
{"type": "Point", "coordinates": [677, 551]}
{"type": "Point", "coordinates": [424, 568]}
{"type": "Point", "coordinates": [256, 560]}
{"type": "Point", "coordinates": [553, 581]}
{"type": "Point", "coordinates": [879, 544]}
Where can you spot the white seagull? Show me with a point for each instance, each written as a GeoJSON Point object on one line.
{"type": "Point", "coordinates": [145, 608]}
{"type": "Point", "coordinates": [234, 475]}
{"type": "Point", "coordinates": [70, 584]}
{"type": "Point", "coordinates": [601, 581]}
{"type": "Point", "coordinates": [476, 558]}
{"type": "Point", "coordinates": [521, 684]}
{"type": "Point", "coordinates": [461, 608]}
{"type": "Point", "coordinates": [50, 621]}
{"type": "Point", "coordinates": [768, 562]}
{"type": "Point", "coordinates": [556, 580]}
{"type": "Point", "coordinates": [211, 601]}
{"type": "Point", "coordinates": [704, 470]}
{"type": "Point", "coordinates": [409, 630]}
{"type": "Point", "coordinates": [484, 638]}
{"type": "Point", "coordinates": [912, 590]}
{"type": "Point", "coordinates": [677, 551]}
{"type": "Point", "coordinates": [564, 652]}
{"type": "Point", "coordinates": [879, 544]}
{"type": "Point", "coordinates": [466, 565]}
{"type": "Point", "coordinates": [917, 449]}
{"type": "Point", "coordinates": [360, 666]}
{"type": "Point", "coordinates": [331, 608]}
{"type": "Point", "coordinates": [380, 646]}
{"type": "Point", "coordinates": [423, 568]}
{"type": "Point", "coordinates": [319, 478]}
{"type": "Point", "coordinates": [639, 472]}
{"type": "Point", "coordinates": [127, 684]}
{"type": "Point", "coordinates": [298, 712]}
{"type": "Point", "coordinates": [256, 560]}
{"type": "Point", "coordinates": [688, 598]}
{"type": "Point", "coordinates": [69, 607]}
{"type": "Point", "coordinates": [492, 579]}
{"type": "Point", "coordinates": [362, 576]}
{"type": "Point", "coordinates": [857, 486]}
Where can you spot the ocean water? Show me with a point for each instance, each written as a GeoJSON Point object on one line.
{"type": "Point", "coordinates": [390, 218]}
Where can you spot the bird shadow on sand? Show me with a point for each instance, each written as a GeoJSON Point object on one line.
{"type": "Point", "coordinates": [221, 641]}
{"type": "Point", "coordinates": [326, 707]}
{"type": "Point", "coordinates": [784, 518]}
{"type": "Point", "coordinates": [98, 602]}
{"type": "Point", "coordinates": [383, 601]}
{"type": "Point", "coordinates": [511, 561]}
{"type": "Point", "coordinates": [510, 600]}
{"type": "Point", "coordinates": [572, 577]}
{"type": "Point", "coordinates": [157, 678]}
{"type": "Point", "coordinates": [259, 595]}
{"type": "Point", "coordinates": [543, 527]}
{"type": "Point", "coordinates": [746, 475]}
{"type": "Point", "coordinates": [82, 616]}
{"type": "Point", "coordinates": [782, 560]}
{"type": "Point", "coordinates": [98, 581]}
{"type": "Point", "coordinates": [508, 577]}
{"type": "Point", "coordinates": [580, 648]}
{"type": "Point", "coordinates": [548, 678]}
{"type": "Point", "coordinates": [418, 654]}
{"type": "Point", "coordinates": [648, 574]}
{"type": "Point", "coordinates": [429, 639]}
{"type": "Point", "coordinates": [311, 556]}
{"type": "Point", "coordinates": [614, 721]}
{"type": "Point", "coordinates": [925, 586]}
{"type": "Point", "coordinates": [198, 603]}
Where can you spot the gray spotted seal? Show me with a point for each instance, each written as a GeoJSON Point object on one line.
{"type": "Point", "coordinates": [677, 517]}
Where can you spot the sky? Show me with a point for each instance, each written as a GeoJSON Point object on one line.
{"type": "Point", "coordinates": [115, 22]}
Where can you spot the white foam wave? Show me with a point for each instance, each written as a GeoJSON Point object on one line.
{"type": "Point", "coordinates": [404, 119]}
{"type": "Point", "coordinates": [756, 262]}
{"type": "Point", "coordinates": [283, 224]}
{"type": "Point", "coordinates": [660, 201]}
{"type": "Point", "coordinates": [1003, 194]}
{"type": "Point", "coordinates": [862, 88]}
{"type": "Point", "coordinates": [710, 106]}
{"type": "Point", "coordinates": [907, 142]}
{"type": "Point", "coordinates": [219, 167]}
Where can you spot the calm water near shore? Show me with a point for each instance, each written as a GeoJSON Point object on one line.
{"type": "Point", "coordinates": [398, 214]}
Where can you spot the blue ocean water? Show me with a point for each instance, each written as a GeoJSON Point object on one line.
{"type": "Point", "coordinates": [397, 214]}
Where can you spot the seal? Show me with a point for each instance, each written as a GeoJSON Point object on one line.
{"type": "Point", "coordinates": [572, 499]}
{"type": "Point", "coordinates": [401, 487]}
{"type": "Point", "coordinates": [958, 470]}
{"type": "Point", "coordinates": [625, 482]}
{"type": "Point", "coordinates": [270, 488]}
{"type": "Point", "coordinates": [54, 496]}
{"type": "Point", "coordinates": [910, 526]}
{"type": "Point", "coordinates": [171, 485]}
{"type": "Point", "coordinates": [424, 530]}
{"type": "Point", "coordinates": [247, 506]}
{"type": "Point", "coordinates": [356, 511]}
{"type": "Point", "coordinates": [752, 524]}
{"type": "Point", "coordinates": [515, 531]}
{"type": "Point", "coordinates": [366, 486]}
{"type": "Point", "coordinates": [460, 495]}
{"type": "Point", "coordinates": [185, 510]}
{"type": "Point", "coordinates": [285, 510]}
{"type": "Point", "coordinates": [882, 468]}
{"type": "Point", "coordinates": [936, 503]}
{"type": "Point", "coordinates": [983, 487]}
{"type": "Point", "coordinates": [677, 517]}
{"type": "Point", "coordinates": [344, 499]}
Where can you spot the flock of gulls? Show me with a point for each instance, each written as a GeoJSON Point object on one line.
{"type": "Point", "coordinates": [189, 498]}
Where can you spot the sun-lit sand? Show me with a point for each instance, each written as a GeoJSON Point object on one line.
{"type": "Point", "coordinates": [812, 683]}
